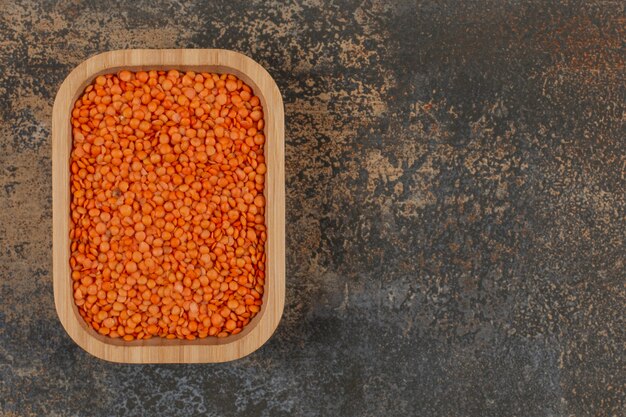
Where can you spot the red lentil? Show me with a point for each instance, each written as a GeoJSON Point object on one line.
{"type": "Point", "coordinates": [167, 211]}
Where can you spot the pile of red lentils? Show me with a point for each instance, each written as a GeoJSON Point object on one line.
{"type": "Point", "coordinates": [167, 207]}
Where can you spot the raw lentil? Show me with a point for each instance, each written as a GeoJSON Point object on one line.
{"type": "Point", "coordinates": [167, 210]}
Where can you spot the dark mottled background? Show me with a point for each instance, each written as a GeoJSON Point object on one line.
{"type": "Point", "coordinates": [455, 209]}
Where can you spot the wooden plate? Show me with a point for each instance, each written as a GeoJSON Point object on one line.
{"type": "Point", "coordinates": [158, 350]}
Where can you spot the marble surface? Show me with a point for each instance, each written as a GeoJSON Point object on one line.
{"type": "Point", "coordinates": [455, 209]}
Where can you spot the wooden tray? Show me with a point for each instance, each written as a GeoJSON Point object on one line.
{"type": "Point", "coordinates": [158, 350]}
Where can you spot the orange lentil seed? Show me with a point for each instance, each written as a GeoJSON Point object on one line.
{"type": "Point", "coordinates": [167, 210]}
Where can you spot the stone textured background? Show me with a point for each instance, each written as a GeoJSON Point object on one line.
{"type": "Point", "coordinates": [455, 209]}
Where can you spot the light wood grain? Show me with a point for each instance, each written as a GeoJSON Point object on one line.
{"type": "Point", "coordinates": [158, 350]}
